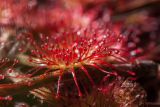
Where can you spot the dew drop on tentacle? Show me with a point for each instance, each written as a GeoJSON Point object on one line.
{"type": "Point", "coordinates": [10, 70]}
{"type": "Point", "coordinates": [116, 51]}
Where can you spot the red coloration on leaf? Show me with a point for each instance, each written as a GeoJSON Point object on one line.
{"type": "Point", "coordinates": [94, 46]}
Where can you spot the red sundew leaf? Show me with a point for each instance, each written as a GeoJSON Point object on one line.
{"type": "Point", "coordinates": [72, 49]}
